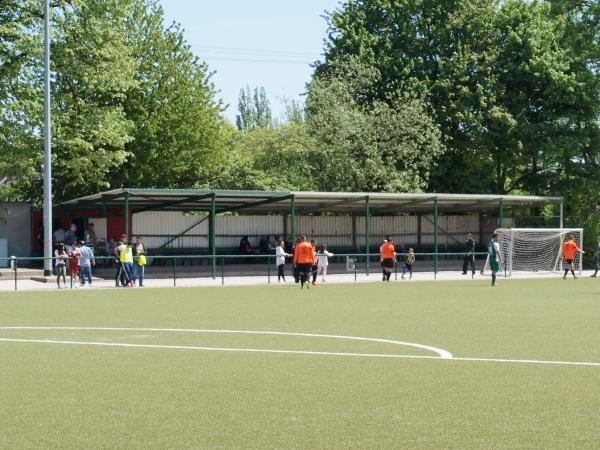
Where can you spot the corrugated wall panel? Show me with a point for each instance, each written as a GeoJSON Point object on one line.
{"type": "Point", "coordinates": [230, 229]}
{"type": "Point", "coordinates": [157, 227]}
{"type": "Point", "coordinates": [330, 230]}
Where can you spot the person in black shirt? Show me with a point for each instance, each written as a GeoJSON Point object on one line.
{"type": "Point", "coordinates": [469, 255]}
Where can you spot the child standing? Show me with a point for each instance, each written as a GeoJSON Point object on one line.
{"type": "Point", "coordinates": [75, 254]}
{"type": "Point", "coordinates": [323, 261]}
{"type": "Point", "coordinates": [408, 263]}
{"type": "Point", "coordinates": [61, 257]}
{"type": "Point", "coordinates": [280, 256]}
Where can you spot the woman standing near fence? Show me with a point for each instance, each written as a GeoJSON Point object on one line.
{"type": "Point", "coordinates": [280, 256]}
{"type": "Point", "coordinates": [140, 261]}
{"type": "Point", "coordinates": [61, 265]}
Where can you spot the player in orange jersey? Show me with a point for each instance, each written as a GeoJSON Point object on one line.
{"type": "Point", "coordinates": [304, 259]}
{"type": "Point", "coordinates": [388, 257]}
{"type": "Point", "coordinates": [569, 249]}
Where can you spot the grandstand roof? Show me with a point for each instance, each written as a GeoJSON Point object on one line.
{"type": "Point", "coordinates": [139, 200]}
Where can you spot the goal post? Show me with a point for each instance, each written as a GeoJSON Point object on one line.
{"type": "Point", "coordinates": [535, 249]}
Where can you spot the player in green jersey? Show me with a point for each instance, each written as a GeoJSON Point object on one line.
{"type": "Point", "coordinates": [494, 256]}
{"type": "Point", "coordinates": [597, 258]}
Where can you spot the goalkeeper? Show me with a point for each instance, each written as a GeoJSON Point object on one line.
{"type": "Point", "coordinates": [569, 249]}
{"type": "Point", "coordinates": [494, 256]}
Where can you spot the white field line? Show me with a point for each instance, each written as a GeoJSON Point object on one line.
{"type": "Point", "coordinates": [441, 352]}
{"type": "Point", "coordinates": [299, 352]}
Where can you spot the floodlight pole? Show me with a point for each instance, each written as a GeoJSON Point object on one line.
{"type": "Point", "coordinates": [47, 147]}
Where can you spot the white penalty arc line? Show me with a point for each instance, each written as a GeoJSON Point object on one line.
{"type": "Point", "coordinates": [441, 352]}
{"type": "Point", "coordinates": [299, 352]}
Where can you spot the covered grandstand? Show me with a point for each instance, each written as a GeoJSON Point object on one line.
{"type": "Point", "coordinates": [211, 222]}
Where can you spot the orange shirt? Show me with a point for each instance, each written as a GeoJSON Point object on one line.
{"type": "Point", "coordinates": [304, 253]}
{"type": "Point", "coordinates": [388, 251]}
{"type": "Point", "coordinates": [569, 249]}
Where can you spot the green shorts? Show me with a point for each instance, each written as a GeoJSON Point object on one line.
{"type": "Point", "coordinates": [494, 265]}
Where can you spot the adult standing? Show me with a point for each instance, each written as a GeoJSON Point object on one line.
{"type": "Point", "coordinates": [388, 257]}
{"type": "Point", "coordinates": [59, 235]}
{"type": "Point", "coordinates": [494, 256]}
{"type": "Point", "coordinates": [139, 261]}
{"type": "Point", "coordinates": [71, 237]}
{"type": "Point", "coordinates": [126, 259]}
{"type": "Point", "coordinates": [120, 276]}
{"type": "Point", "coordinates": [86, 262]}
{"type": "Point", "coordinates": [304, 259]}
{"type": "Point", "coordinates": [469, 258]}
{"type": "Point", "coordinates": [60, 258]}
{"type": "Point", "coordinates": [280, 256]}
{"type": "Point", "coordinates": [569, 249]}
{"type": "Point", "coordinates": [90, 235]}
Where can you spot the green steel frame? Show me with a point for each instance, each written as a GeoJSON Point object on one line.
{"type": "Point", "coordinates": [216, 201]}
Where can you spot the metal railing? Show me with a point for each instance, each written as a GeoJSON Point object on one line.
{"type": "Point", "coordinates": [217, 264]}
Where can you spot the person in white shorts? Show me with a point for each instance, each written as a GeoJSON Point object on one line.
{"type": "Point", "coordinates": [323, 261]}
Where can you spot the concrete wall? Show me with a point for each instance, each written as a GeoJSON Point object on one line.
{"type": "Point", "coordinates": [15, 225]}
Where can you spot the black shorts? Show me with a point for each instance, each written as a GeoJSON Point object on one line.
{"type": "Point", "coordinates": [569, 261]}
{"type": "Point", "coordinates": [304, 268]}
{"type": "Point", "coordinates": [387, 263]}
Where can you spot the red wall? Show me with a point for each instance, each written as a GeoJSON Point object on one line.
{"type": "Point", "coordinates": [115, 226]}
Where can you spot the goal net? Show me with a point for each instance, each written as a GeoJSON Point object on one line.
{"type": "Point", "coordinates": [535, 249]}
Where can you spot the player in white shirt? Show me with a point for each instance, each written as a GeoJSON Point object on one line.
{"type": "Point", "coordinates": [280, 256]}
{"type": "Point", "coordinates": [323, 261]}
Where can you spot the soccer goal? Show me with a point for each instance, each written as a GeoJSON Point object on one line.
{"type": "Point", "coordinates": [535, 249]}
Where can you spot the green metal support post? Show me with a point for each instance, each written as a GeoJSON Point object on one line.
{"type": "Point", "coordinates": [368, 234]}
{"type": "Point", "coordinates": [127, 214]}
{"type": "Point", "coordinates": [435, 236]}
{"type": "Point", "coordinates": [212, 232]}
{"type": "Point", "coordinates": [293, 220]}
{"type": "Point", "coordinates": [501, 215]}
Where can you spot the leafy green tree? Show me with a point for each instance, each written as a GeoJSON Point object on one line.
{"type": "Point", "coordinates": [254, 109]}
{"type": "Point", "coordinates": [264, 158]}
{"type": "Point", "coordinates": [20, 81]}
{"type": "Point", "coordinates": [176, 118]}
{"type": "Point", "coordinates": [92, 71]}
{"type": "Point", "coordinates": [366, 144]}
{"type": "Point", "coordinates": [502, 86]}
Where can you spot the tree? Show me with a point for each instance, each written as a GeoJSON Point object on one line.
{"type": "Point", "coordinates": [177, 126]}
{"type": "Point", "coordinates": [264, 159]}
{"type": "Point", "coordinates": [91, 73]}
{"type": "Point", "coordinates": [500, 84]}
{"type": "Point", "coordinates": [254, 109]}
{"type": "Point", "coordinates": [365, 144]}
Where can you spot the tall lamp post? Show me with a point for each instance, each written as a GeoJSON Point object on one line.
{"type": "Point", "coordinates": [47, 147]}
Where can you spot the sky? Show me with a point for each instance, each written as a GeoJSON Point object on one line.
{"type": "Point", "coordinates": [269, 43]}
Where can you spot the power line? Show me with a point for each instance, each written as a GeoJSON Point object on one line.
{"type": "Point", "coordinates": [252, 60]}
{"type": "Point", "coordinates": [257, 51]}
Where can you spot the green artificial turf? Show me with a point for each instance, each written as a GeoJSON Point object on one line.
{"type": "Point", "coordinates": [68, 396]}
